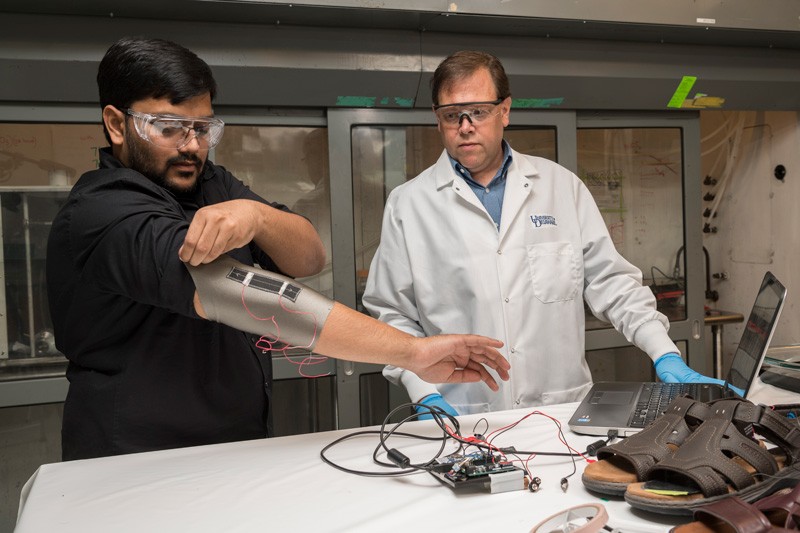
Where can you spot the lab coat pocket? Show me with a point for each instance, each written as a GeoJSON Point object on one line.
{"type": "Point", "coordinates": [554, 271]}
{"type": "Point", "coordinates": [575, 394]}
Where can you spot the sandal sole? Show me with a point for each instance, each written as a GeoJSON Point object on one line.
{"type": "Point", "coordinates": [607, 488]}
{"type": "Point", "coordinates": [685, 506]}
{"type": "Point", "coordinates": [777, 512]}
{"type": "Point", "coordinates": [721, 451]}
{"type": "Point", "coordinates": [626, 463]}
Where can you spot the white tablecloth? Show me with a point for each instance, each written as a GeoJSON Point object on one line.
{"type": "Point", "coordinates": [767, 394]}
{"type": "Point", "coordinates": [281, 484]}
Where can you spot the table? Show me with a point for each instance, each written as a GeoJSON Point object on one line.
{"type": "Point", "coordinates": [281, 484]}
{"type": "Point", "coordinates": [767, 394]}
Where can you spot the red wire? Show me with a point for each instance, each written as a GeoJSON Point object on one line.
{"type": "Point", "coordinates": [527, 469]}
{"type": "Point", "coordinates": [557, 422]}
{"type": "Point", "coordinates": [308, 360]}
{"type": "Point", "coordinates": [474, 440]}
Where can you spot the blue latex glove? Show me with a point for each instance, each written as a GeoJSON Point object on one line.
{"type": "Point", "coordinates": [670, 368]}
{"type": "Point", "coordinates": [434, 400]}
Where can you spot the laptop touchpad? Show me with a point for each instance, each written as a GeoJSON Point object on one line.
{"type": "Point", "coordinates": [612, 398]}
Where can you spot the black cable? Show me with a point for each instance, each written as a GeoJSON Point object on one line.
{"type": "Point", "coordinates": [475, 427]}
{"type": "Point", "coordinates": [591, 450]}
{"type": "Point", "coordinates": [437, 414]}
{"type": "Point", "coordinates": [363, 472]}
{"type": "Point", "coordinates": [393, 453]}
{"type": "Point", "coordinates": [654, 269]}
{"type": "Point", "coordinates": [522, 462]}
{"type": "Point", "coordinates": [441, 418]}
{"type": "Point", "coordinates": [546, 454]}
{"type": "Point", "coordinates": [564, 482]}
{"type": "Point", "coordinates": [562, 437]}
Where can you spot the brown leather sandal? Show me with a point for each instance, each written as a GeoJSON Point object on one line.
{"type": "Point", "coordinates": [776, 513]}
{"type": "Point", "coordinates": [723, 457]}
{"type": "Point", "coordinates": [631, 459]}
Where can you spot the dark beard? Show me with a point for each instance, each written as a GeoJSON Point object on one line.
{"type": "Point", "coordinates": [141, 161]}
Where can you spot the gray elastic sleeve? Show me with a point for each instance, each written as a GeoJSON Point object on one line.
{"type": "Point", "coordinates": [258, 301]}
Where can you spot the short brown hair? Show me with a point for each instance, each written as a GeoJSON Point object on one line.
{"type": "Point", "coordinates": [461, 64]}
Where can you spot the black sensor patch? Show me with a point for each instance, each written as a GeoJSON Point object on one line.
{"type": "Point", "coordinates": [265, 283]}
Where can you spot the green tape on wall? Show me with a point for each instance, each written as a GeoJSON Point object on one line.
{"type": "Point", "coordinates": [373, 101]}
{"type": "Point", "coordinates": [356, 101]}
{"type": "Point", "coordinates": [536, 102]}
{"type": "Point", "coordinates": [682, 91]}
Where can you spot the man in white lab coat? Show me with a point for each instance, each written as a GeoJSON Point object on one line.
{"type": "Point", "coordinates": [502, 244]}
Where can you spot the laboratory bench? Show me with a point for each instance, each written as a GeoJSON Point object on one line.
{"type": "Point", "coordinates": [281, 484]}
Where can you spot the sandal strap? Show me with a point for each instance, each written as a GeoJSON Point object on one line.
{"type": "Point", "coordinates": [702, 459]}
{"type": "Point", "coordinates": [775, 425]}
{"type": "Point", "coordinates": [785, 505]}
{"type": "Point", "coordinates": [743, 517]}
{"type": "Point", "coordinates": [785, 430]}
{"type": "Point", "coordinates": [644, 449]}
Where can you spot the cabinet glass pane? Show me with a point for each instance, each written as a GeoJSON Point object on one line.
{"type": "Point", "coordinates": [625, 363]}
{"type": "Point", "coordinates": [387, 156]}
{"type": "Point", "coordinates": [38, 165]}
{"type": "Point", "coordinates": [285, 164]}
{"type": "Point", "coordinates": [636, 177]}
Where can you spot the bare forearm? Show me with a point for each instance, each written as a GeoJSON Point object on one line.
{"type": "Point", "coordinates": [354, 336]}
{"type": "Point", "coordinates": [338, 331]}
{"type": "Point", "coordinates": [351, 335]}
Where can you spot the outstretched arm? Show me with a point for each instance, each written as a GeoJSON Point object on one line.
{"type": "Point", "coordinates": [354, 336]}
{"type": "Point", "coordinates": [254, 300]}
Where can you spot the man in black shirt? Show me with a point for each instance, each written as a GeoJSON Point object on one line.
{"type": "Point", "coordinates": [146, 370]}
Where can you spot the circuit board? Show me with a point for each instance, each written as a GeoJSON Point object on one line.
{"type": "Point", "coordinates": [474, 471]}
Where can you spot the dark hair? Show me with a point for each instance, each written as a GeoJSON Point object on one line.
{"type": "Point", "coordinates": [460, 65]}
{"type": "Point", "coordinates": [136, 68]}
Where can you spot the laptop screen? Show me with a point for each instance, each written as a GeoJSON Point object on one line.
{"type": "Point", "coordinates": [757, 332]}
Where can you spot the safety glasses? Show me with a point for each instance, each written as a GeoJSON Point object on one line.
{"type": "Point", "coordinates": [175, 131]}
{"type": "Point", "coordinates": [451, 115]}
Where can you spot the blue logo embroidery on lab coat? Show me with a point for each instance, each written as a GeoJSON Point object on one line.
{"type": "Point", "coordinates": [542, 220]}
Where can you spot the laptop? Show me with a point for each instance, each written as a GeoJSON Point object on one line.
{"type": "Point", "coordinates": [630, 406]}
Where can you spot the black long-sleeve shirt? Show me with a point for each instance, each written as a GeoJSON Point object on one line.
{"type": "Point", "coordinates": [145, 372]}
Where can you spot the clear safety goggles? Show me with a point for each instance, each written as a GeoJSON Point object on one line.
{"type": "Point", "coordinates": [175, 131]}
{"type": "Point", "coordinates": [476, 112]}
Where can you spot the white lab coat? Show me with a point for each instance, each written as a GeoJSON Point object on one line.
{"type": "Point", "coordinates": [443, 267]}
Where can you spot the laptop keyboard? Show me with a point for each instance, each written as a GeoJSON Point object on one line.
{"type": "Point", "coordinates": [655, 398]}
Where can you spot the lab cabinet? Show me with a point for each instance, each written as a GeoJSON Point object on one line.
{"type": "Point", "coordinates": [41, 155]}
{"type": "Point", "coordinates": [337, 170]}
{"type": "Point", "coordinates": [640, 168]}
{"type": "Point", "coordinates": [27, 342]}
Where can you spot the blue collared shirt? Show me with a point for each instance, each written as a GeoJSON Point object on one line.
{"type": "Point", "coordinates": [491, 195]}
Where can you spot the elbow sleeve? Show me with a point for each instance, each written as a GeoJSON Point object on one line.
{"type": "Point", "coordinates": [262, 302]}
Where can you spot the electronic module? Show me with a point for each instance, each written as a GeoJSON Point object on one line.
{"type": "Point", "coordinates": [479, 471]}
